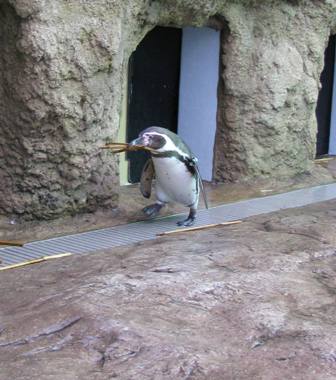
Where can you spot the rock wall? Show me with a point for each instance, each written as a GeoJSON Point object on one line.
{"type": "Point", "coordinates": [61, 98]}
{"type": "Point", "coordinates": [272, 61]}
{"type": "Point", "coordinates": [63, 66]}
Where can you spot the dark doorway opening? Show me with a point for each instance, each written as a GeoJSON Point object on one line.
{"type": "Point", "coordinates": [153, 88]}
{"type": "Point", "coordinates": [323, 109]}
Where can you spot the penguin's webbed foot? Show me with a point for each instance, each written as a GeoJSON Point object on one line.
{"type": "Point", "coordinates": [187, 222]}
{"type": "Point", "coordinates": [152, 210]}
{"type": "Point", "coordinates": [190, 220]}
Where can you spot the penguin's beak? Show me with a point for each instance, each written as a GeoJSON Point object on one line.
{"type": "Point", "coordinates": [138, 142]}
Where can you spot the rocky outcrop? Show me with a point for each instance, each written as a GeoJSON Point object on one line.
{"type": "Point", "coordinates": [272, 61]}
{"type": "Point", "coordinates": [63, 66]}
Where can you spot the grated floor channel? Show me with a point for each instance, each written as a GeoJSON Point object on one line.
{"type": "Point", "coordinates": [135, 232]}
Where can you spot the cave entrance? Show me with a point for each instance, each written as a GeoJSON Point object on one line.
{"type": "Point", "coordinates": [153, 88]}
{"type": "Point", "coordinates": [172, 83]}
{"type": "Point", "coordinates": [326, 104]}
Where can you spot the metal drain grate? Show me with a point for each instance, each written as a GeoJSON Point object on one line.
{"type": "Point", "coordinates": [135, 232]}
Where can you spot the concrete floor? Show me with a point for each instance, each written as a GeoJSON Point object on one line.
{"type": "Point", "coordinates": [112, 237]}
{"type": "Point", "coordinates": [131, 202]}
{"type": "Point", "coordinates": [250, 301]}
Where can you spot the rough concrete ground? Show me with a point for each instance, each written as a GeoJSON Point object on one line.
{"type": "Point", "coordinates": [131, 202]}
{"type": "Point", "coordinates": [250, 301]}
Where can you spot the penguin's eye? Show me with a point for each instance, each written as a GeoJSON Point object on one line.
{"type": "Point", "coordinates": [157, 142]}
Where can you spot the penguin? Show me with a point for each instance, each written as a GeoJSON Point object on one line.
{"type": "Point", "coordinates": [177, 178]}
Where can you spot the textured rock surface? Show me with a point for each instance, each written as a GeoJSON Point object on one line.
{"type": "Point", "coordinates": [254, 301]}
{"type": "Point", "coordinates": [272, 59]}
{"type": "Point", "coordinates": [63, 65]}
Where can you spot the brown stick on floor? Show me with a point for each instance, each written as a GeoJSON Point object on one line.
{"type": "Point", "coordinates": [36, 261]}
{"type": "Point", "coordinates": [207, 226]}
{"type": "Point", "coordinates": [11, 243]}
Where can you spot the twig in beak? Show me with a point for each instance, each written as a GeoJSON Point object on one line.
{"type": "Point", "coordinates": [123, 147]}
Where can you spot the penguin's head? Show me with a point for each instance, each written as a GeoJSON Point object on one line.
{"type": "Point", "coordinates": [154, 138]}
{"type": "Point", "coordinates": [162, 140]}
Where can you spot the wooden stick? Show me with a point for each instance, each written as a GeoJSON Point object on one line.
{"type": "Point", "coordinates": [30, 262]}
{"type": "Point", "coordinates": [123, 147]}
{"type": "Point", "coordinates": [199, 228]}
{"type": "Point", "coordinates": [110, 145]}
{"type": "Point", "coordinates": [11, 243]}
{"type": "Point", "coordinates": [115, 146]}
{"type": "Point", "coordinates": [324, 159]}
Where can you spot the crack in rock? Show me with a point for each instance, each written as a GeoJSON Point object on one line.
{"type": "Point", "coordinates": [165, 270]}
{"type": "Point", "coordinates": [53, 329]}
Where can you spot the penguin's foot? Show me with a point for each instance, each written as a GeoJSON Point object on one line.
{"type": "Point", "coordinates": [190, 220]}
{"type": "Point", "coordinates": [152, 210]}
{"type": "Point", "coordinates": [187, 222]}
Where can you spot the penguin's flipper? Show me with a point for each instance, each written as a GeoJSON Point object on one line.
{"type": "Point", "coordinates": [203, 192]}
{"type": "Point", "coordinates": [192, 166]}
{"type": "Point", "coordinates": [147, 175]}
{"type": "Point", "coordinates": [205, 199]}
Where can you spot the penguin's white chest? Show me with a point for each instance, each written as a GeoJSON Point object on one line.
{"type": "Point", "coordinates": [174, 182]}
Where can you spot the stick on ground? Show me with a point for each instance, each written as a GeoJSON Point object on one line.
{"type": "Point", "coordinates": [11, 243]}
{"type": "Point", "coordinates": [30, 262]}
{"type": "Point", "coordinates": [207, 226]}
